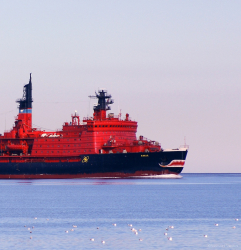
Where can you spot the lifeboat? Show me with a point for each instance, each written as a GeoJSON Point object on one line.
{"type": "Point", "coordinates": [23, 147]}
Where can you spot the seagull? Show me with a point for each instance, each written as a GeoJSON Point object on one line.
{"type": "Point", "coordinates": [114, 225]}
{"type": "Point", "coordinates": [72, 230]}
{"type": "Point", "coordinates": [139, 230]}
{"type": "Point", "coordinates": [169, 238]}
{"type": "Point", "coordinates": [97, 228]}
{"type": "Point", "coordinates": [136, 233]}
{"type": "Point", "coordinates": [66, 231]}
{"type": "Point", "coordinates": [35, 218]}
{"type": "Point", "coordinates": [74, 226]}
{"type": "Point", "coordinates": [140, 239]}
{"type": "Point", "coordinates": [216, 225]}
{"type": "Point", "coordinates": [103, 242]}
{"type": "Point", "coordinates": [236, 219]}
{"type": "Point", "coordinates": [92, 239]}
{"type": "Point", "coordinates": [171, 226]}
{"type": "Point", "coordinates": [234, 227]}
{"type": "Point", "coordinates": [205, 235]}
{"type": "Point", "coordinates": [165, 233]}
{"type": "Point", "coordinates": [30, 237]}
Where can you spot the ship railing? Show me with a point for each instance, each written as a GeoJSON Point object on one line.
{"type": "Point", "coordinates": [184, 146]}
{"type": "Point", "coordinates": [116, 117]}
{"type": "Point", "coordinates": [88, 118]}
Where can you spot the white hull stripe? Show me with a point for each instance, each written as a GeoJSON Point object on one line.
{"type": "Point", "coordinates": [174, 164]}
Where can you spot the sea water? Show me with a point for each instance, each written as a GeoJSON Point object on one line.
{"type": "Point", "coordinates": [197, 211]}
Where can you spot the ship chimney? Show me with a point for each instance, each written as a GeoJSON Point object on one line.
{"type": "Point", "coordinates": [25, 105]}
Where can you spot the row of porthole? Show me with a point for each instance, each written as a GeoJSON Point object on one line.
{"type": "Point", "coordinates": [58, 145]}
{"type": "Point", "coordinates": [111, 126]}
{"type": "Point", "coordinates": [63, 151]}
{"type": "Point", "coordinates": [62, 139]}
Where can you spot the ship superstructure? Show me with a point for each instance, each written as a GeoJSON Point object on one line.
{"type": "Point", "coordinates": [104, 145]}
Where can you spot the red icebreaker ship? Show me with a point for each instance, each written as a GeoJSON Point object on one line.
{"type": "Point", "coordinates": [100, 146]}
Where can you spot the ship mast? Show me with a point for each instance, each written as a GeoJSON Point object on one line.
{"type": "Point", "coordinates": [104, 100]}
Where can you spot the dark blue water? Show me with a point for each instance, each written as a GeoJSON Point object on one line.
{"type": "Point", "coordinates": [192, 204]}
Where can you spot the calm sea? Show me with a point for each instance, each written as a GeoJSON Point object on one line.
{"type": "Point", "coordinates": [66, 214]}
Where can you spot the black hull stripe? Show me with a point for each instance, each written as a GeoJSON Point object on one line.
{"type": "Point", "coordinates": [96, 166]}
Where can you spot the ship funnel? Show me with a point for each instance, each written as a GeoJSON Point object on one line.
{"type": "Point", "coordinates": [25, 105]}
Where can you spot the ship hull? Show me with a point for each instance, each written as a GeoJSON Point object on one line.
{"type": "Point", "coordinates": [124, 165]}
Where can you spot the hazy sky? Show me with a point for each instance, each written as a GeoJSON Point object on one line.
{"type": "Point", "coordinates": [174, 66]}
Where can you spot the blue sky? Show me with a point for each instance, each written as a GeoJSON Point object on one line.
{"type": "Point", "coordinates": [173, 65]}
